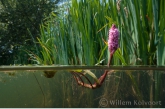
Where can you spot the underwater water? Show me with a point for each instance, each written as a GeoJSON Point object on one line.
{"type": "Point", "coordinates": [26, 87]}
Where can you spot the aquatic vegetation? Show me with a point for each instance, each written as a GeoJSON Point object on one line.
{"type": "Point", "coordinates": [112, 46]}
{"type": "Point", "coordinates": [79, 80]}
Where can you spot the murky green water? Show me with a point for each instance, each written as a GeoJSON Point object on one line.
{"type": "Point", "coordinates": [122, 88]}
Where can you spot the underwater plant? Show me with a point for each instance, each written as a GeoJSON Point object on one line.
{"type": "Point", "coordinates": [112, 46]}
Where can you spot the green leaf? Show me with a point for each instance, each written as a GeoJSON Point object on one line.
{"type": "Point", "coordinates": [92, 75]}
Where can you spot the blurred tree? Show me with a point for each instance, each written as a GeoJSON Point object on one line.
{"type": "Point", "coordinates": [20, 23]}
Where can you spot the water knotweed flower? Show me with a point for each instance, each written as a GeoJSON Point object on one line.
{"type": "Point", "coordinates": [112, 46]}
{"type": "Point", "coordinates": [113, 40]}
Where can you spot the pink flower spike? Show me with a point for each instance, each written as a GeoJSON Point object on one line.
{"type": "Point", "coordinates": [113, 41]}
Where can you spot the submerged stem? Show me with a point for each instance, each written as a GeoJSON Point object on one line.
{"type": "Point", "coordinates": [40, 88]}
{"type": "Point", "coordinates": [90, 85]}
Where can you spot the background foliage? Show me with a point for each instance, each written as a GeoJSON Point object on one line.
{"type": "Point", "coordinates": [18, 18]}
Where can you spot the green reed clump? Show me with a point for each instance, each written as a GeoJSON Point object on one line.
{"type": "Point", "coordinates": [77, 37]}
